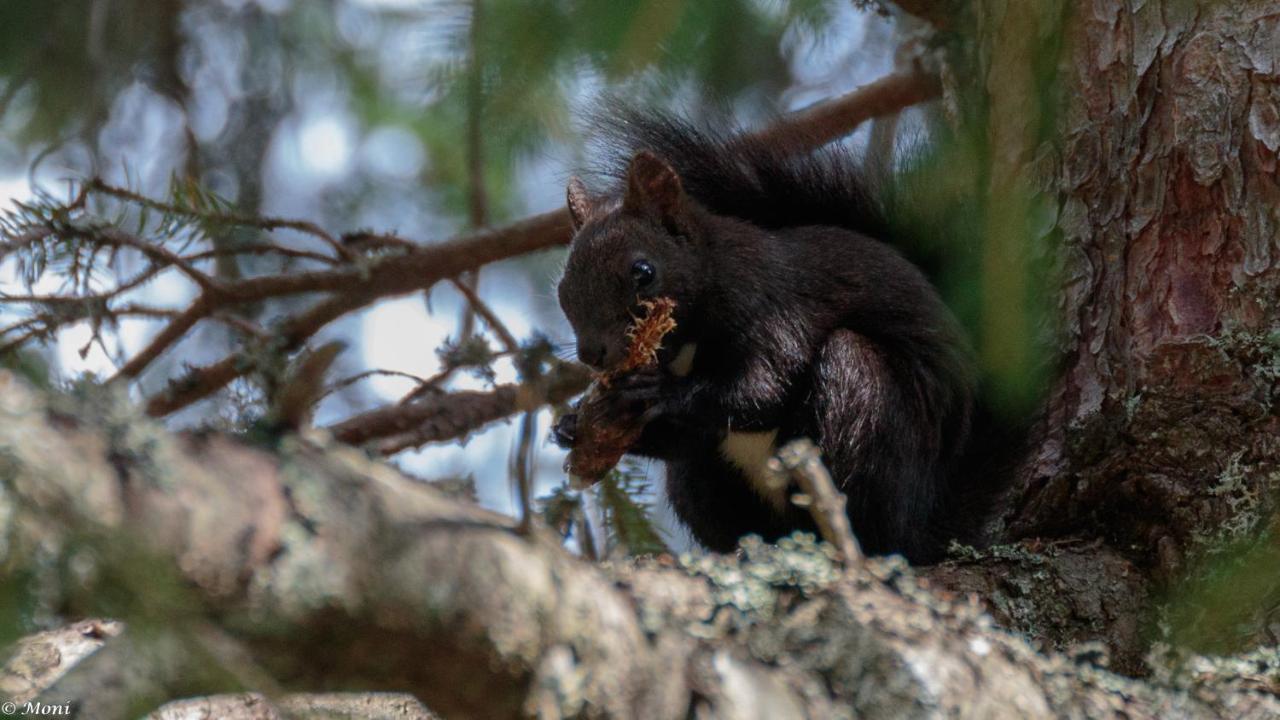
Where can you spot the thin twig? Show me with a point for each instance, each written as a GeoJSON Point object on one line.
{"type": "Point", "coordinates": [156, 253]}
{"type": "Point", "coordinates": [490, 318]}
{"type": "Point", "coordinates": [802, 461]}
{"type": "Point", "coordinates": [523, 474]}
{"type": "Point", "coordinates": [223, 218]}
{"type": "Point", "coordinates": [172, 333]}
{"type": "Point", "coordinates": [433, 383]}
{"type": "Point", "coordinates": [586, 533]}
{"type": "Point", "coordinates": [141, 311]}
{"type": "Point", "coordinates": [349, 381]}
{"type": "Point", "coordinates": [243, 324]}
{"type": "Point", "coordinates": [261, 249]}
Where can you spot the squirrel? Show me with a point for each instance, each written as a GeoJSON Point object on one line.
{"type": "Point", "coordinates": [794, 318]}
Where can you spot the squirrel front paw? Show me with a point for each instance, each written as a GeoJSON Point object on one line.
{"type": "Point", "coordinates": [642, 395]}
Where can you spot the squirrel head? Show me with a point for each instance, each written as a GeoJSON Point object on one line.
{"type": "Point", "coordinates": [642, 246]}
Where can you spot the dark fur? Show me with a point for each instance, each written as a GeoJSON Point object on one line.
{"type": "Point", "coordinates": [803, 322]}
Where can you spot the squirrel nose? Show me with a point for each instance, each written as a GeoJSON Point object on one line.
{"type": "Point", "coordinates": [592, 354]}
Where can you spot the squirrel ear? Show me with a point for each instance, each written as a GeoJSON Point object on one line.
{"type": "Point", "coordinates": [579, 204]}
{"type": "Point", "coordinates": [653, 185]}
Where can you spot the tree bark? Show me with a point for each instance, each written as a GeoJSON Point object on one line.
{"type": "Point", "coordinates": [1159, 434]}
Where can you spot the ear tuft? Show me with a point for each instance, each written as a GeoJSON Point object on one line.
{"type": "Point", "coordinates": [653, 186]}
{"type": "Point", "coordinates": [579, 203]}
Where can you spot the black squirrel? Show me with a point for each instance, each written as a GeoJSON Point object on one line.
{"type": "Point", "coordinates": [794, 318]}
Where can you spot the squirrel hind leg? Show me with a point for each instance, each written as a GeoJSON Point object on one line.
{"type": "Point", "coordinates": [874, 443]}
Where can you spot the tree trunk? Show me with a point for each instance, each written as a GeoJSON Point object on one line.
{"type": "Point", "coordinates": [1160, 434]}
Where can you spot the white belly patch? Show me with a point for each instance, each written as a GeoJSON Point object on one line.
{"type": "Point", "coordinates": [683, 363]}
{"type": "Point", "coordinates": [750, 452]}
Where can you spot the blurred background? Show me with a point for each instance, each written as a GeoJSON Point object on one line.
{"type": "Point", "coordinates": [426, 119]}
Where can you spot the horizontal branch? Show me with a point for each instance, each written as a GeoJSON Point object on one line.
{"type": "Point", "coordinates": [827, 121]}
{"type": "Point", "coordinates": [354, 288]}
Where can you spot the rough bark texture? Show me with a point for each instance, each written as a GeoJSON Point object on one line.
{"type": "Point", "coordinates": [39, 660]}
{"type": "Point", "coordinates": [1159, 437]}
{"type": "Point", "coordinates": [1169, 223]}
{"type": "Point", "coordinates": [321, 569]}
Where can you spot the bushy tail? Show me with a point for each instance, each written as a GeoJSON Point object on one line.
{"type": "Point", "coordinates": [776, 181]}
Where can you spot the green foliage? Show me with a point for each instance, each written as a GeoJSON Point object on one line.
{"type": "Point", "coordinates": [560, 509]}
{"type": "Point", "coordinates": [28, 365]}
{"type": "Point", "coordinates": [63, 62]}
{"type": "Point", "coordinates": [622, 496]}
{"type": "Point", "coordinates": [500, 87]}
{"type": "Point", "coordinates": [623, 499]}
{"type": "Point", "coordinates": [20, 605]}
{"type": "Point", "coordinates": [941, 201]}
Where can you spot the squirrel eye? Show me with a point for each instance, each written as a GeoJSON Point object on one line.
{"type": "Point", "coordinates": [642, 272]}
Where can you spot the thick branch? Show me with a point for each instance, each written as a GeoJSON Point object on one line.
{"type": "Point", "coordinates": [329, 569]}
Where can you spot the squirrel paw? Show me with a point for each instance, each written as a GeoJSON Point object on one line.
{"type": "Point", "coordinates": [642, 387]}
{"type": "Point", "coordinates": [641, 396]}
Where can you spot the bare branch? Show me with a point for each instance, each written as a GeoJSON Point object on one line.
{"type": "Point", "coordinates": [491, 319]}
{"type": "Point", "coordinates": [172, 333]}
{"type": "Point", "coordinates": [349, 381]}
{"type": "Point", "coordinates": [452, 415]}
{"type": "Point", "coordinates": [803, 462]}
{"type": "Point", "coordinates": [385, 276]}
{"type": "Point", "coordinates": [829, 120]}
